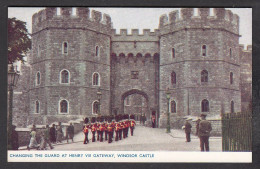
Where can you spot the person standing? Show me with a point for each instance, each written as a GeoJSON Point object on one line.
{"type": "Point", "coordinates": [47, 136]}
{"type": "Point", "coordinates": [204, 132]}
{"type": "Point", "coordinates": [53, 134]}
{"type": "Point", "coordinates": [14, 140]}
{"type": "Point", "coordinates": [33, 143]}
{"type": "Point", "coordinates": [110, 130]}
{"type": "Point", "coordinates": [93, 130]}
{"type": "Point", "coordinates": [85, 131]}
{"type": "Point", "coordinates": [153, 121]}
{"type": "Point", "coordinates": [70, 132]}
{"type": "Point", "coordinates": [59, 133]}
{"type": "Point", "coordinates": [197, 127]}
{"type": "Point", "coordinates": [132, 127]}
{"type": "Point", "coordinates": [187, 128]}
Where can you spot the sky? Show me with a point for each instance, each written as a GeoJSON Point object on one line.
{"type": "Point", "coordinates": [141, 18]}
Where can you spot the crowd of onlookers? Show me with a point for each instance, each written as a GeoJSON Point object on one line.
{"type": "Point", "coordinates": [50, 135]}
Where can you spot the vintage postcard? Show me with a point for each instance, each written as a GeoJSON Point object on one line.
{"type": "Point", "coordinates": [129, 84]}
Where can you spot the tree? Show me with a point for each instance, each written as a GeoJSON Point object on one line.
{"type": "Point", "coordinates": [19, 42]}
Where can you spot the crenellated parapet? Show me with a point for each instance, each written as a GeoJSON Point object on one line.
{"type": "Point", "coordinates": [71, 18]}
{"type": "Point", "coordinates": [196, 18]}
{"type": "Point", "coordinates": [129, 58]}
{"type": "Point", "coordinates": [147, 35]}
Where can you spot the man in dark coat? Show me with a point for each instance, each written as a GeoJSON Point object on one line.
{"type": "Point", "coordinates": [197, 127]}
{"type": "Point", "coordinates": [187, 128]}
{"type": "Point", "coordinates": [70, 132]}
{"type": "Point", "coordinates": [14, 140]}
{"type": "Point", "coordinates": [53, 134]}
{"type": "Point", "coordinates": [204, 132]}
{"type": "Point", "coordinates": [47, 136]}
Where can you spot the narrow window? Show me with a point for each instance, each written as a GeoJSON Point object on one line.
{"type": "Point", "coordinates": [204, 50]}
{"type": "Point", "coordinates": [39, 51]}
{"type": "Point", "coordinates": [211, 12]}
{"type": "Point", "coordinates": [95, 107]}
{"type": "Point", "coordinates": [230, 53]}
{"type": "Point", "coordinates": [38, 78]}
{"type": "Point", "coordinates": [95, 80]}
{"type": "Point", "coordinates": [232, 107]}
{"type": "Point", "coordinates": [204, 76]}
{"type": "Point", "coordinates": [63, 106]}
{"type": "Point", "coordinates": [231, 77]}
{"type": "Point", "coordinates": [173, 78]}
{"type": "Point", "coordinates": [173, 53]}
{"type": "Point", "coordinates": [65, 47]}
{"type": "Point", "coordinates": [74, 11]}
{"type": "Point", "coordinates": [37, 107]}
{"type": "Point", "coordinates": [58, 11]}
{"type": "Point", "coordinates": [64, 76]}
{"type": "Point", "coordinates": [195, 12]}
{"type": "Point", "coordinates": [97, 51]}
{"type": "Point", "coordinates": [205, 105]}
{"type": "Point", "coordinates": [173, 106]}
{"type": "Point", "coordinates": [127, 101]}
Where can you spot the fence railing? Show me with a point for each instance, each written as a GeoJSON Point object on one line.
{"type": "Point", "coordinates": [237, 132]}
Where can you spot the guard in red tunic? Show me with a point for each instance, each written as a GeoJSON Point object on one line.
{"type": "Point", "coordinates": [106, 132]}
{"type": "Point", "coordinates": [109, 130]}
{"type": "Point", "coordinates": [101, 131]}
{"type": "Point", "coordinates": [85, 130]}
{"type": "Point", "coordinates": [93, 128]}
{"type": "Point", "coordinates": [113, 127]}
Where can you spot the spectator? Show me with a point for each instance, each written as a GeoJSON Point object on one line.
{"type": "Point", "coordinates": [70, 132]}
{"type": "Point", "coordinates": [53, 134]}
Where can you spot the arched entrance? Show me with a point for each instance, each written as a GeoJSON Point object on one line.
{"type": "Point", "coordinates": [135, 102]}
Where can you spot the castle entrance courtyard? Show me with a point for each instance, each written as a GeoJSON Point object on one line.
{"type": "Point", "coordinates": [144, 139]}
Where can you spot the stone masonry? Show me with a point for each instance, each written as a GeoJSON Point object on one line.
{"type": "Point", "coordinates": [133, 65]}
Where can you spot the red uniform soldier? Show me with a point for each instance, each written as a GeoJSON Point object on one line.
{"type": "Point", "coordinates": [106, 132]}
{"type": "Point", "coordinates": [93, 130]}
{"type": "Point", "coordinates": [101, 131]}
{"type": "Point", "coordinates": [98, 131]}
{"type": "Point", "coordinates": [109, 130]}
{"type": "Point", "coordinates": [85, 131]}
{"type": "Point", "coordinates": [117, 128]}
{"type": "Point", "coordinates": [120, 130]}
{"type": "Point", "coordinates": [132, 126]}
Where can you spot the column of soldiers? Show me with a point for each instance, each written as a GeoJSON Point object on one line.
{"type": "Point", "coordinates": [103, 127]}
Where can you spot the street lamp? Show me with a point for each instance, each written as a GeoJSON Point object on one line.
{"type": "Point", "coordinates": [168, 95]}
{"type": "Point", "coordinates": [13, 77]}
{"type": "Point", "coordinates": [99, 95]}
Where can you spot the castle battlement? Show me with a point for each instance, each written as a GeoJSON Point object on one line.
{"type": "Point", "coordinates": [77, 17]}
{"type": "Point", "coordinates": [135, 35]}
{"type": "Point", "coordinates": [134, 57]}
{"type": "Point", "coordinates": [218, 18]}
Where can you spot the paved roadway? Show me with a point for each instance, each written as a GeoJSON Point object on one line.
{"type": "Point", "coordinates": [144, 139]}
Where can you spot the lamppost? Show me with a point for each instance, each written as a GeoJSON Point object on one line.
{"type": "Point", "coordinates": [168, 95]}
{"type": "Point", "coordinates": [99, 95]}
{"type": "Point", "coordinates": [13, 77]}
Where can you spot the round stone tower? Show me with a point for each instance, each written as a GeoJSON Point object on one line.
{"type": "Point", "coordinates": [199, 62]}
{"type": "Point", "coordinates": [70, 61]}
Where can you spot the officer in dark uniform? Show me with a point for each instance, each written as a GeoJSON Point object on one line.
{"type": "Point", "coordinates": [109, 130]}
{"type": "Point", "coordinates": [85, 130]}
{"type": "Point", "coordinates": [204, 132]}
{"type": "Point", "coordinates": [132, 124]}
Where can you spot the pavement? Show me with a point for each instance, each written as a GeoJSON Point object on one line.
{"type": "Point", "coordinates": [144, 139]}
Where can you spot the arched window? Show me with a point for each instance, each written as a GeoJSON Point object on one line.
{"type": "Point", "coordinates": [173, 53]}
{"type": "Point", "coordinates": [37, 106]}
{"type": "Point", "coordinates": [173, 106]}
{"type": "Point", "coordinates": [64, 76]}
{"type": "Point", "coordinates": [38, 78]}
{"type": "Point", "coordinates": [232, 107]}
{"type": "Point", "coordinates": [204, 50]}
{"type": "Point", "coordinates": [95, 79]}
{"type": "Point", "coordinates": [64, 106]}
{"type": "Point", "coordinates": [205, 105]}
{"type": "Point", "coordinates": [65, 48]}
{"type": "Point", "coordinates": [58, 11]}
{"type": "Point", "coordinates": [95, 107]}
{"type": "Point", "coordinates": [231, 77]}
{"type": "Point", "coordinates": [230, 52]}
{"type": "Point", "coordinates": [97, 51]}
{"type": "Point", "coordinates": [173, 78]}
{"type": "Point", "coordinates": [204, 76]}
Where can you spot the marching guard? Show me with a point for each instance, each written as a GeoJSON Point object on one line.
{"type": "Point", "coordinates": [85, 130]}
{"type": "Point", "coordinates": [93, 129]}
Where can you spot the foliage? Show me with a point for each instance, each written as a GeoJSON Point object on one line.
{"type": "Point", "coordinates": [19, 42]}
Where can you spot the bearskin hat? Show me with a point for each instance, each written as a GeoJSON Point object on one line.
{"type": "Point", "coordinates": [93, 119]}
{"type": "Point", "coordinates": [86, 120]}
{"type": "Point", "coordinates": [132, 116]}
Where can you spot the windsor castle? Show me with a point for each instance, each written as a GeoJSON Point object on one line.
{"type": "Point", "coordinates": [76, 53]}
